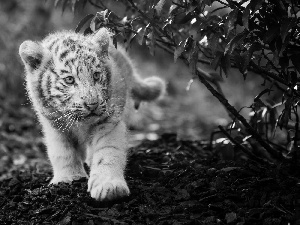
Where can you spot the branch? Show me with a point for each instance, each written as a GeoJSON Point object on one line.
{"type": "Point", "coordinates": [245, 150]}
{"type": "Point", "coordinates": [234, 112]}
{"type": "Point", "coordinates": [258, 69]}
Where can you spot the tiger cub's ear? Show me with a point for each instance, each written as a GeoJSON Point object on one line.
{"type": "Point", "coordinates": [32, 54]}
{"type": "Point", "coordinates": [102, 38]}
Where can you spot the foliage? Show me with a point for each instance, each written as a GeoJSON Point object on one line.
{"type": "Point", "coordinates": [258, 35]}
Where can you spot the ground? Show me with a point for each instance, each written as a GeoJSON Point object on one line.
{"type": "Point", "coordinates": [171, 182]}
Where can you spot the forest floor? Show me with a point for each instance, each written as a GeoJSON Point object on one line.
{"type": "Point", "coordinates": [171, 182]}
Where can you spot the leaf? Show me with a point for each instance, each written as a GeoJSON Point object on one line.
{"type": "Point", "coordinates": [178, 51]}
{"type": "Point", "coordinates": [141, 34]}
{"type": "Point", "coordinates": [296, 61]}
{"type": "Point", "coordinates": [159, 6]}
{"type": "Point", "coordinates": [230, 21]}
{"type": "Point", "coordinates": [253, 47]}
{"type": "Point", "coordinates": [129, 38]}
{"type": "Point", "coordinates": [285, 114]}
{"type": "Point", "coordinates": [246, 16]}
{"type": "Point", "coordinates": [87, 31]}
{"type": "Point", "coordinates": [257, 97]}
{"type": "Point", "coordinates": [188, 44]}
{"type": "Point", "coordinates": [256, 4]}
{"type": "Point", "coordinates": [294, 78]}
{"type": "Point", "coordinates": [242, 61]}
{"type": "Point", "coordinates": [216, 61]}
{"type": "Point", "coordinates": [192, 6]}
{"type": "Point", "coordinates": [99, 20]}
{"type": "Point", "coordinates": [115, 42]}
{"type": "Point", "coordinates": [214, 42]}
{"type": "Point", "coordinates": [151, 43]}
{"type": "Point", "coordinates": [137, 104]}
{"type": "Point", "coordinates": [235, 41]}
{"type": "Point", "coordinates": [208, 2]}
{"type": "Point", "coordinates": [83, 21]}
{"type": "Point", "coordinates": [182, 18]}
{"type": "Point", "coordinates": [193, 60]}
{"type": "Point", "coordinates": [271, 33]}
{"type": "Point", "coordinates": [226, 64]}
{"type": "Point", "coordinates": [101, 16]}
{"type": "Point", "coordinates": [285, 43]}
{"type": "Point", "coordinates": [173, 9]}
{"type": "Point", "coordinates": [283, 119]}
{"type": "Point", "coordinates": [284, 62]}
{"type": "Point", "coordinates": [286, 25]}
{"type": "Point", "coordinates": [245, 59]}
{"type": "Point", "coordinates": [215, 77]}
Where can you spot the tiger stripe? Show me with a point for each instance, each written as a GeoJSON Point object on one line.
{"type": "Point", "coordinates": [52, 43]}
{"type": "Point", "coordinates": [64, 54]}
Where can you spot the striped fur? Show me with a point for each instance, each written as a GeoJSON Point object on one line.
{"type": "Point", "coordinates": [81, 87]}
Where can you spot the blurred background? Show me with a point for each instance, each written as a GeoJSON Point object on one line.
{"type": "Point", "coordinates": [192, 114]}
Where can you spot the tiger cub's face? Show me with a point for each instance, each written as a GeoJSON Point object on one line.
{"type": "Point", "coordinates": [71, 74]}
{"type": "Point", "coordinates": [80, 80]}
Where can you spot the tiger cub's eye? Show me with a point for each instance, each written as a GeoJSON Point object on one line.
{"type": "Point", "coordinates": [69, 80]}
{"type": "Point", "coordinates": [97, 76]}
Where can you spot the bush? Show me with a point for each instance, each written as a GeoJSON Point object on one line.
{"type": "Point", "coordinates": [258, 35]}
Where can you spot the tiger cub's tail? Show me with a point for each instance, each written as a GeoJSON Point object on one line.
{"type": "Point", "coordinates": [148, 89]}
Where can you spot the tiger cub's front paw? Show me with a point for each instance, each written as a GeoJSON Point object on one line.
{"type": "Point", "coordinates": [107, 188]}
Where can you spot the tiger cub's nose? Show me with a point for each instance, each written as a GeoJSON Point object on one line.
{"type": "Point", "coordinates": [91, 106]}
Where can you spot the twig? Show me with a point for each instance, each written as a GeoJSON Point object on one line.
{"type": "Point", "coordinates": [217, 9]}
{"type": "Point", "coordinates": [223, 3]}
{"type": "Point", "coordinates": [245, 150]}
{"type": "Point", "coordinates": [258, 69]}
{"type": "Point", "coordinates": [269, 61]}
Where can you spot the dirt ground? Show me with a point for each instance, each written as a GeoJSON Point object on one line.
{"type": "Point", "coordinates": [171, 182]}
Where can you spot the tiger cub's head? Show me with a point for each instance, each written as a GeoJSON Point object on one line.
{"type": "Point", "coordinates": [69, 74]}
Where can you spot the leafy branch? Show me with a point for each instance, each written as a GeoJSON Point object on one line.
{"type": "Point", "coordinates": [250, 37]}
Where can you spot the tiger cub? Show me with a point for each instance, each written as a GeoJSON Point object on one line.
{"type": "Point", "coordinates": [82, 89]}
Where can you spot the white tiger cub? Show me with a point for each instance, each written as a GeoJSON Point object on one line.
{"type": "Point", "coordinates": [80, 87]}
